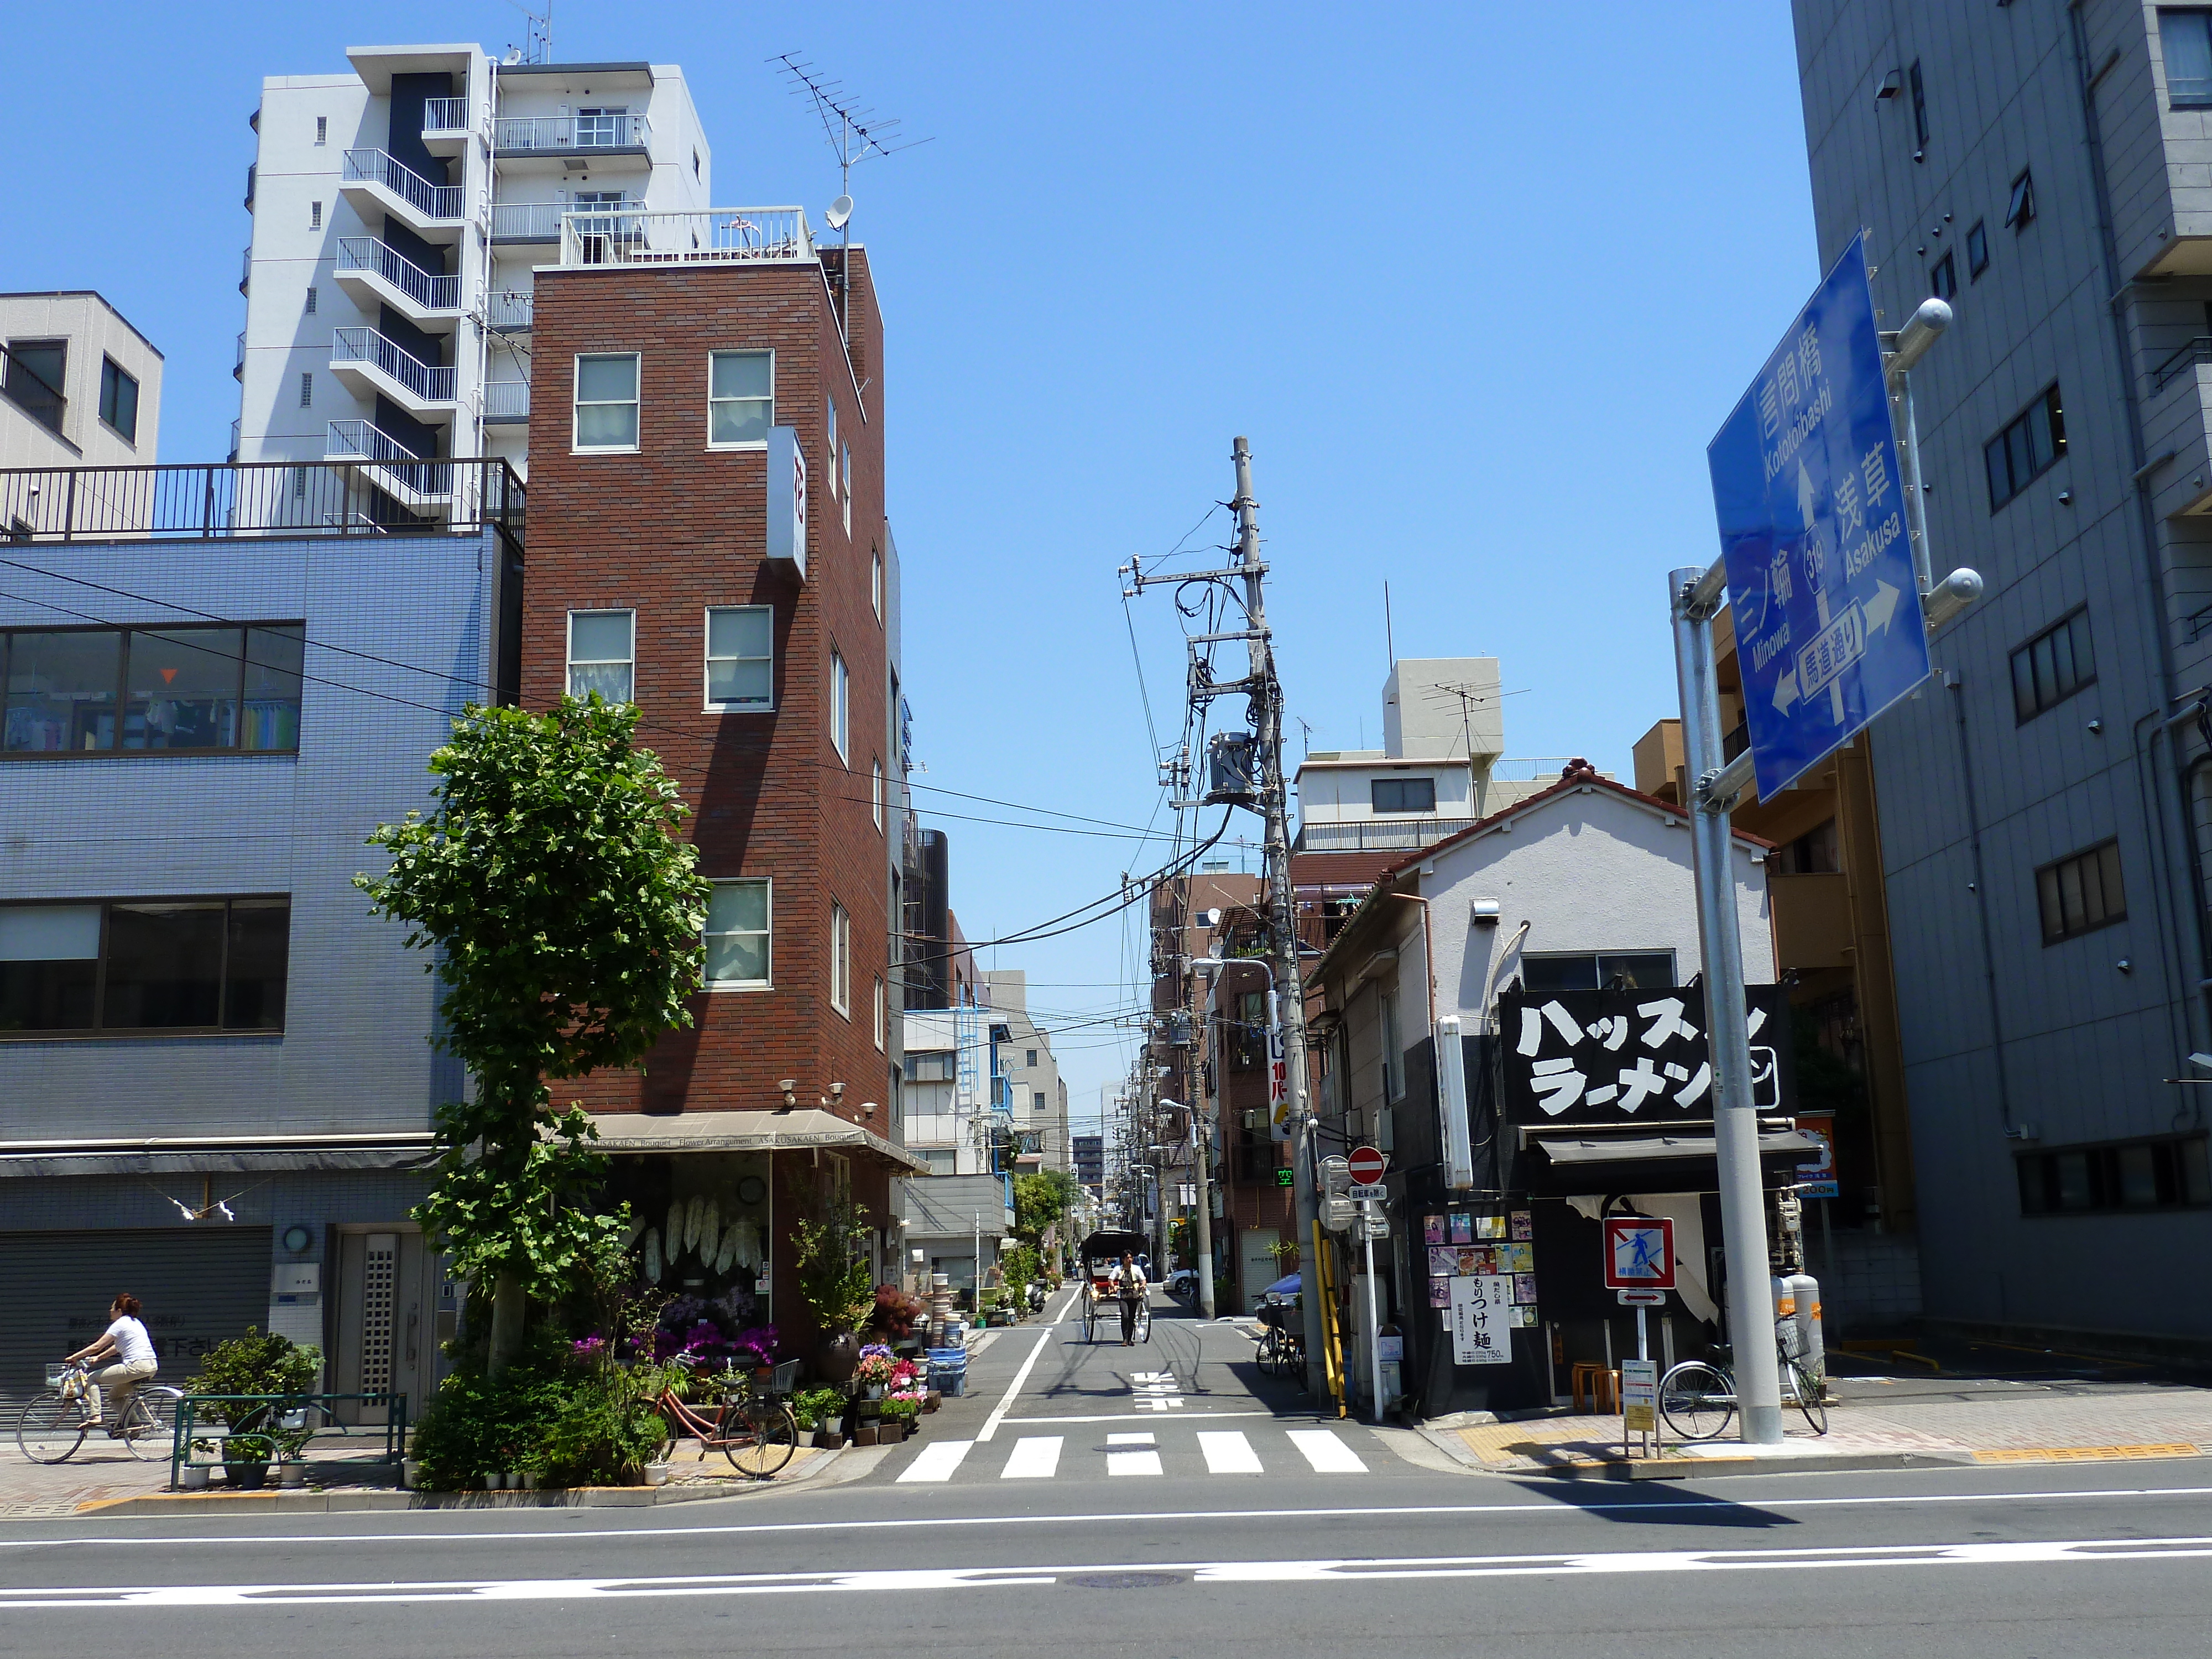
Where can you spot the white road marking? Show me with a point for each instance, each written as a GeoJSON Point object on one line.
{"type": "Point", "coordinates": [1329, 1455]}
{"type": "Point", "coordinates": [937, 1461]}
{"type": "Point", "coordinates": [1129, 1417]}
{"type": "Point", "coordinates": [1129, 1439]}
{"type": "Point", "coordinates": [94, 1598]}
{"type": "Point", "coordinates": [999, 1411]}
{"type": "Point", "coordinates": [1035, 1457]}
{"type": "Point", "coordinates": [1122, 1462]}
{"type": "Point", "coordinates": [1228, 1452]}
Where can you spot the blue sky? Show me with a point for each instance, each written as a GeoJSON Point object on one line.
{"type": "Point", "coordinates": [1478, 282]}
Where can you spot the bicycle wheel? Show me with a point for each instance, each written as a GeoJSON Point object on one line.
{"type": "Point", "coordinates": [50, 1429]}
{"type": "Point", "coordinates": [1697, 1400]}
{"type": "Point", "coordinates": [1806, 1394]}
{"type": "Point", "coordinates": [760, 1439]}
{"type": "Point", "coordinates": [149, 1429]}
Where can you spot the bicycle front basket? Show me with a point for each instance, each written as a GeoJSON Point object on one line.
{"type": "Point", "coordinates": [784, 1378]}
{"type": "Point", "coordinates": [56, 1375]}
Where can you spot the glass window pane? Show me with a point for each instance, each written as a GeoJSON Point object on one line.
{"type": "Point", "coordinates": [599, 636]}
{"type": "Point", "coordinates": [741, 374]}
{"type": "Point", "coordinates": [2138, 1178]}
{"type": "Point", "coordinates": [740, 633]}
{"type": "Point", "coordinates": [739, 958]}
{"type": "Point", "coordinates": [2038, 427]}
{"type": "Point", "coordinates": [183, 689]}
{"type": "Point", "coordinates": [2046, 892]}
{"type": "Point", "coordinates": [2108, 864]}
{"type": "Point", "coordinates": [61, 691]}
{"type": "Point", "coordinates": [2046, 674]}
{"type": "Point", "coordinates": [607, 426]}
{"type": "Point", "coordinates": [2185, 38]}
{"type": "Point", "coordinates": [749, 682]}
{"type": "Point", "coordinates": [2072, 1179]}
{"type": "Point", "coordinates": [2085, 661]}
{"type": "Point", "coordinates": [272, 714]}
{"type": "Point", "coordinates": [2061, 659]}
{"type": "Point", "coordinates": [738, 420]}
{"type": "Point", "coordinates": [1651, 971]}
{"type": "Point", "coordinates": [610, 680]}
{"type": "Point", "coordinates": [2016, 454]}
{"type": "Point", "coordinates": [737, 906]}
{"type": "Point", "coordinates": [164, 966]}
{"type": "Point", "coordinates": [604, 380]}
{"type": "Point", "coordinates": [2023, 685]}
{"type": "Point", "coordinates": [48, 966]}
{"type": "Point", "coordinates": [2071, 908]}
{"type": "Point", "coordinates": [1994, 457]}
{"type": "Point", "coordinates": [253, 977]}
{"type": "Point", "coordinates": [1558, 973]}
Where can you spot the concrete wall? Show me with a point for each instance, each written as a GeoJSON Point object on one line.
{"type": "Point", "coordinates": [95, 331]}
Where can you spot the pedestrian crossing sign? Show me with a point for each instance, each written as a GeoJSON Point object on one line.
{"type": "Point", "coordinates": [1639, 1253]}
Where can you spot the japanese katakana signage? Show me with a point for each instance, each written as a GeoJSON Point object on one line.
{"type": "Point", "coordinates": [1828, 627]}
{"type": "Point", "coordinates": [1619, 1057]}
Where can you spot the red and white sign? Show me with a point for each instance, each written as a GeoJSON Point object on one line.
{"type": "Point", "coordinates": [1639, 1253]}
{"type": "Point", "coordinates": [1368, 1165]}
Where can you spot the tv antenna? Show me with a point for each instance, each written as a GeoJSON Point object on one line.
{"type": "Point", "coordinates": [537, 35]}
{"type": "Point", "coordinates": [855, 133]}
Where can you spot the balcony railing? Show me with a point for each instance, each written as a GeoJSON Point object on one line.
{"type": "Point", "coordinates": [274, 498]}
{"type": "Point", "coordinates": [444, 115]}
{"type": "Point", "coordinates": [237, 362]}
{"type": "Point", "coordinates": [246, 268]}
{"type": "Point", "coordinates": [363, 442]}
{"type": "Point", "coordinates": [374, 166]}
{"type": "Point", "coordinates": [506, 400]}
{"type": "Point", "coordinates": [1377, 834]}
{"type": "Point", "coordinates": [430, 382]}
{"type": "Point", "coordinates": [512, 310]}
{"type": "Point", "coordinates": [2198, 351]}
{"type": "Point", "coordinates": [237, 431]}
{"type": "Point", "coordinates": [711, 236]}
{"type": "Point", "coordinates": [526, 221]}
{"type": "Point", "coordinates": [426, 288]}
{"type": "Point", "coordinates": [524, 133]}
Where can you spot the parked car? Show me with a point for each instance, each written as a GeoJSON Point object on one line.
{"type": "Point", "coordinates": [1184, 1282]}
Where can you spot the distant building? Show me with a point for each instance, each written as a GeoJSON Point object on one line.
{"type": "Point", "coordinates": [81, 388]}
{"type": "Point", "coordinates": [1036, 1095]}
{"type": "Point", "coordinates": [1089, 1154]}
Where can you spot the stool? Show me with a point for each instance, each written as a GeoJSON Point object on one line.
{"type": "Point", "coordinates": [1603, 1383]}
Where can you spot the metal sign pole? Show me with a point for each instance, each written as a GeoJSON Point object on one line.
{"type": "Point", "coordinates": [1374, 1321]}
{"type": "Point", "coordinates": [1693, 596]}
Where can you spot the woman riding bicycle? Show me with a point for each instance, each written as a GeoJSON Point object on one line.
{"type": "Point", "coordinates": [126, 1343]}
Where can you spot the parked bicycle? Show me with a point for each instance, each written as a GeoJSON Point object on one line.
{"type": "Point", "coordinates": [1282, 1347]}
{"type": "Point", "coordinates": [54, 1424]}
{"type": "Point", "coordinates": [752, 1424]}
{"type": "Point", "coordinates": [1699, 1401]}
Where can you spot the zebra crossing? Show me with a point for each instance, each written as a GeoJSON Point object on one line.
{"type": "Point", "coordinates": [1136, 1454]}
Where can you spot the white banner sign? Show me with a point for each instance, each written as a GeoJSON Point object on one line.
{"type": "Point", "coordinates": [1482, 1319]}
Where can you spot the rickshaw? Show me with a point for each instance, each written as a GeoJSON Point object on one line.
{"type": "Point", "coordinates": [1101, 1253]}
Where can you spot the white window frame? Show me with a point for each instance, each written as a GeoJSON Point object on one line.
{"type": "Point", "coordinates": [569, 680]}
{"type": "Point", "coordinates": [635, 401]}
{"type": "Point", "coordinates": [883, 1016]}
{"type": "Point", "coordinates": [875, 799]}
{"type": "Point", "coordinates": [841, 959]}
{"type": "Point", "coordinates": [708, 660]}
{"type": "Point", "coordinates": [740, 351]}
{"type": "Point", "coordinates": [876, 580]}
{"type": "Point", "coordinates": [830, 404]}
{"type": "Point", "coordinates": [845, 502]}
{"type": "Point", "coordinates": [841, 705]}
{"type": "Point", "coordinates": [768, 894]}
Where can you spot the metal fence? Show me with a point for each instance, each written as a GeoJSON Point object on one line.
{"type": "Point", "coordinates": [428, 290]}
{"type": "Point", "coordinates": [268, 498]}
{"type": "Point", "coordinates": [712, 236]}
{"type": "Point", "coordinates": [269, 1425]}
{"type": "Point", "coordinates": [374, 166]}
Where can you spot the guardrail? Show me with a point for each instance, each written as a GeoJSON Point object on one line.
{"type": "Point", "coordinates": [253, 498]}
{"type": "Point", "coordinates": [428, 289]}
{"type": "Point", "coordinates": [432, 382]}
{"type": "Point", "coordinates": [444, 115]}
{"type": "Point", "coordinates": [707, 236]}
{"type": "Point", "coordinates": [2198, 351]}
{"type": "Point", "coordinates": [512, 310]}
{"type": "Point", "coordinates": [1377, 834]}
{"type": "Point", "coordinates": [374, 166]}
{"type": "Point", "coordinates": [278, 1422]}
{"type": "Point", "coordinates": [526, 221]}
{"type": "Point", "coordinates": [523, 133]}
{"type": "Point", "coordinates": [506, 400]}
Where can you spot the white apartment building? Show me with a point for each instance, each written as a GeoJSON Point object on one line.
{"type": "Point", "coordinates": [944, 1115]}
{"type": "Point", "coordinates": [399, 210]}
{"type": "Point", "coordinates": [79, 386]}
{"type": "Point", "coordinates": [1036, 1094]}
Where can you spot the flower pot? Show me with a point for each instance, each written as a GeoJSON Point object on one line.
{"type": "Point", "coordinates": [193, 1477]}
{"type": "Point", "coordinates": [834, 1361]}
{"type": "Point", "coordinates": [828, 1439]}
{"type": "Point", "coordinates": [247, 1477]}
{"type": "Point", "coordinates": [656, 1475]}
{"type": "Point", "coordinates": [866, 1435]}
{"type": "Point", "coordinates": [890, 1432]}
{"type": "Point", "coordinates": [934, 1400]}
{"type": "Point", "coordinates": [410, 1473]}
{"type": "Point", "coordinates": [873, 1391]}
{"type": "Point", "coordinates": [292, 1475]}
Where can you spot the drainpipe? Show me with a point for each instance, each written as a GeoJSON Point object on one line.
{"type": "Point", "coordinates": [1952, 684]}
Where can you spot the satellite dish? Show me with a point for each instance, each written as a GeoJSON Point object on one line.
{"type": "Point", "coordinates": [839, 211]}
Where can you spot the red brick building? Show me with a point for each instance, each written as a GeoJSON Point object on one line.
{"type": "Point", "coordinates": [677, 391]}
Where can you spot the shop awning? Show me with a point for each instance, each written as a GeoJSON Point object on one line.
{"type": "Point", "coordinates": [1624, 1150]}
{"type": "Point", "coordinates": [216, 1155]}
{"type": "Point", "coordinates": [806, 1129]}
{"type": "Point", "coordinates": [1559, 1165]}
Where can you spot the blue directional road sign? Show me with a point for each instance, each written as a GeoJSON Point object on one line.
{"type": "Point", "coordinates": [1828, 627]}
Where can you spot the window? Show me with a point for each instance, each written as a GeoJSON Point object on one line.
{"type": "Point", "coordinates": [831, 406]}
{"type": "Point", "coordinates": [2024, 450]}
{"type": "Point", "coordinates": [2052, 667]}
{"type": "Point", "coordinates": [2144, 1175]}
{"type": "Point", "coordinates": [932, 1066]}
{"type": "Point", "coordinates": [322, 129]}
{"type": "Point", "coordinates": [695, 164]}
{"type": "Point", "coordinates": [119, 400]}
{"type": "Point", "coordinates": [306, 389]}
{"type": "Point", "coordinates": [1403, 794]}
{"type": "Point", "coordinates": [37, 371]}
{"type": "Point", "coordinates": [602, 654]}
{"type": "Point", "coordinates": [315, 216]}
{"type": "Point", "coordinates": [740, 398]}
{"type": "Point", "coordinates": [601, 128]}
{"type": "Point", "coordinates": [1943, 278]}
{"type": "Point", "coordinates": [606, 401]}
{"type": "Point", "coordinates": [1642, 971]}
{"type": "Point", "coordinates": [135, 966]}
{"type": "Point", "coordinates": [98, 690]}
{"type": "Point", "coordinates": [311, 302]}
{"type": "Point", "coordinates": [1919, 110]}
{"type": "Point", "coordinates": [841, 681]}
{"type": "Point", "coordinates": [1037, 1100]}
{"type": "Point", "coordinates": [1816, 853]}
{"type": "Point", "coordinates": [2019, 209]}
{"type": "Point", "coordinates": [738, 936]}
{"type": "Point", "coordinates": [1032, 1061]}
{"type": "Point", "coordinates": [876, 801]}
{"type": "Point", "coordinates": [840, 958]}
{"type": "Point", "coordinates": [845, 451]}
{"type": "Point", "coordinates": [882, 1014]}
{"type": "Point", "coordinates": [1978, 251]}
{"type": "Point", "coordinates": [876, 580]}
{"type": "Point", "coordinates": [2185, 42]}
{"type": "Point", "coordinates": [741, 658]}
{"type": "Point", "coordinates": [2081, 894]}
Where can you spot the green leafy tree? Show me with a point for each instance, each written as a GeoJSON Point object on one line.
{"type": "Point", "coordinates": [1041, 1202]}
{"type": "Point", "coordinates": [566, 919]}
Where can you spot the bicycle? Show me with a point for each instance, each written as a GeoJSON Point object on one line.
{"type": "Point", "coordinates": [753, 1426]}
{"type": "Point", "coordinates": [52, 1425]}
{"type": "Point", "coordinates": [1697, 1398]}
{"type": "Point", "coordinates": [1282, 1351]}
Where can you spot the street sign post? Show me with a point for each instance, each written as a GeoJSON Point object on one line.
{"type": "Point", "coordinates": [1360, 1194]}
{"type": "Point", "coordinates": [1368, 1165]}
{"type": "Point", "coordinates": [1639, 1253]}
{"type": "Point", "coordinates": [1812, 506]}
{"type": "Point", "coordinates": [1641, 1298]}
{"type": "Point", "coordinates": [1639, 1397]}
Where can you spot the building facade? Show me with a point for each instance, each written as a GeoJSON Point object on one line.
{"type": "Point", "coordinates": [1036, 1094]}
{"type": "Point", "coordinates": [2046, 806]}
{"type": "Point", "coordinates": [79, 386]}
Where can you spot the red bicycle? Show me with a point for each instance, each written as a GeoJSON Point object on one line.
{"type": "Point", "coordinates": [752, 1425]}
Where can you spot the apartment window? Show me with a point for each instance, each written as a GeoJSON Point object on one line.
{"type": "Point", "coordinates": [2185, 42]}
{"type": "Point", "coordinates": [603, 654]}
{"type": "Point", "coordinates": [1036, 1097]}
{"type": "Point", "coordinates": [2081, 893]}
{"type": "Point", "coordinates": [1977, 250]}
{"type": "Point", "coordinates": [738, 936]}
{"type": "Point", "coordinates": [741, 658]}
{"type": "Point", "coordinates": [315, 216]}
{"type": "Point", "coordinates": [2052, 666]}
{"type": "Point", "coordinates": [841, 686]}
{"type": "Point", "coordinates": [606, 401]}
{"type": "Point", "coordinates": [1943, 278]}
{"type": "Point", "coordinates": [934, 1066]}
{"type": "Point", "coordinates": [37, 371]}
{"type": "Point", "coordinates": [1033, 1061]}
{"type": "Point", "coordinates": [1818, 851]}
{"type": "Point", "coordinates": [118, 400]}
{"type": "Point", "coordinates": [73, 691]}
{"type": "Point", "coordinates": [830, 404]}
{"type": "Point", "coordinates": [1640, 970]}
{"type": "Point", "coordinates": [311, 302]}
{"type": "Point", "coordinates": [306, 389]}
{"type": "Point", "coordinates": [882, 1014]}
{"type": "Point", "coordinates": [740, 398]}
{"type": "Point", "coordinates": [695, 164]}
{"type": "Point", "coordinates": [846, 493]}
{"type": "Point", "coordinates": [2019, 207]}
{"type": "Point", "coordinates": [130, 966]}
{"type": "Point", "coordinates": [1403, 794]}
{"type": "Point", "coordinates": [2024, 450]}
{"type": "Point", "coordinates": [1919, 109]}
{"type": "Point", "coordinates": [2144, 1175]}
{"type": "Point", "coordinates": [876, 800]}
{"type": "Point", "coordinates": [840, 958]}
{"type": "Point", "coordinates": [322, 129]}
{"type": "Point", "coordinates": [876, 580]}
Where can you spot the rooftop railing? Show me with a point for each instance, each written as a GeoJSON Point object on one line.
{"type": "Point", "coordinates": [374, 166]}
{"type": "Point", "coordinates": [524, 133]}
{"type": "Point", "coordinates": [336, 497]}
{"type": "Point", "coordinates": [2198, 351]}
{"type": "Point", "coordinates": [1377, 834]}
{"type": "Point", "coordinates": [431, 382]}
{"type": "Point", "coordinates": [707, 236]}
{"type": "Point", "coordinates": [526, 221]}
{"type": "Point", "coordinates": [444, 115]}
{"type": "Point", "coordinates": [428, 289]}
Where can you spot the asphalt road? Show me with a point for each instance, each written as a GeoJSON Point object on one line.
{"type": "Point", "coordinates": [1096, 1558]}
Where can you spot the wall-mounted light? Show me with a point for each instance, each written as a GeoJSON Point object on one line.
{"type": "Point", "coordinates": [1483, 912]}
{"type": "Point", "coordinates": [1892, 84]}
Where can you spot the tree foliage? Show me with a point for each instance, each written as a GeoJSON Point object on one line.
{"type": "Point", "coordinates": [1041, 1202]}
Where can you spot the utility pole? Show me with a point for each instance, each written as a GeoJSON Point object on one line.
{"type": "Point", "coordinates": [1290, 995]}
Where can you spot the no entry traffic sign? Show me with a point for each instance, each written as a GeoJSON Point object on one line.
{"type": "Point", "coordinates": [1368, 1165]}
{"type": "Point", "coordinates": [1639, 1253]}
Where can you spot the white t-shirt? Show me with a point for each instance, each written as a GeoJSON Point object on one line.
{"type": "Point", "coordinates": [1131, 1279]}
{"type": "Point", "coordinates": [132, 1342]}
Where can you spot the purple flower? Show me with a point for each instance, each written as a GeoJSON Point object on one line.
{"type": "Point", "coordinates": [590, 1348]}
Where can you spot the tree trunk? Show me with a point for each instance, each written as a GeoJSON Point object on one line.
{"type": "Point", "coordinates": [507, 1306]}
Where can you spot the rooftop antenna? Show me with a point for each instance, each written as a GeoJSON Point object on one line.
{"type": "Point", "coordinates": [537, 46]}
{"type": "Point", "coordinates": [1390, 639]}
{"type": "Point", "coordinates": [855, 133]}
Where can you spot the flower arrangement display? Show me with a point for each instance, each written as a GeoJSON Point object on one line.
{"type": "Point", "coordinates": [879, 1367]}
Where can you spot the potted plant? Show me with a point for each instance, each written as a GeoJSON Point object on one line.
{"type": "Point", "coordinates": [821, 1413]}
{"type": "Point", "coordinates": [829, 1244]}
{"type": "Point", "coordinates": [899, 1410]}
{"type": "Point", "coordinates": [255, 1378]}
{"type": "Point", "coordinates": [876, 1370]}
